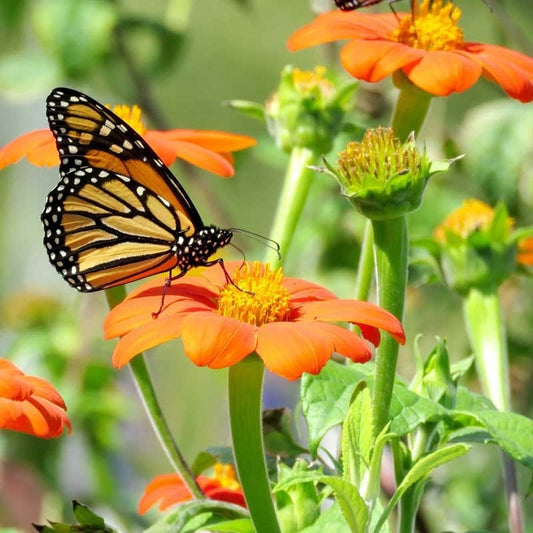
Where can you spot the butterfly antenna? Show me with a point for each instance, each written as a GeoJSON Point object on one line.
{"type": "Point", "coordinates": [269, 243]}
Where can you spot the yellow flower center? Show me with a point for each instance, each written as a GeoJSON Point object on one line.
{"type": "Point", "coordinates": [434, 27]}
{"type": "Point", "coordinates": [307, 81]}
{"type": "Point", "coordinates": [380, 154]}
{"type": "Point", "coordinates": [225, 475]}
{"type": "Point", "coordinates": [474, 215]}
{"type": "Point", "coordinates": [259, 299]}
{"type": "Point", "coordinates": [130, 115]}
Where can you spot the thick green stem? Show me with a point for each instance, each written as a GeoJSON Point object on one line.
{"type": "Point", "coordinates": [296, 186]}
{"type": "Point", "coordinates": [486, 330]}
{"type": "Point", "coordinates": [245, 383]}
{"type": "Point", "coordinates": [148, 396]}
{"type": "Point", "coordinates": [390, 251]}
{"type": "Point", "coordinates": [411, 108]}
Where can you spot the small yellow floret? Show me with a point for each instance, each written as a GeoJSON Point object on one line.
{"type": "Point", "coordinates": [225, 475]}
{"type": "Point", "coordinates": [130, 115]}
{"type": "Point", "coordinates": [433, 28]}
{"type": "Point", "coordinates": [307, 81]}
{"type": "Point", "coordinates": [257, 298]}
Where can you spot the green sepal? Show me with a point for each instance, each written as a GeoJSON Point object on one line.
{"type": "Point", "coordinates": [248, 109]}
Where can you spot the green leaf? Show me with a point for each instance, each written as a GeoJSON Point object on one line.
{"type": "Point", "coordinates": [242, 525]}
{"type": "Point", "coordinates": [85, 516]}
{"type": "Point", "coordinates": [420, 470]}
{"type": "Point", "coordinates": [202, 462]}
{"type": "Point", "coordinates": [200, 511]}
{"type": "Point", "coordinates": [326, 397]}
{"type": "Point", "coordinates": [357, 437]}
{"type": "Point", "coordinates": [466, 400]}
{"type": "Point", "coordinates": [248, 109]}
{"type": "Point", "coordinates": [330, 521]}
{"type": "Point", "coordinates": [512, 432]}
{"type": "Point", "coordinates": [352, 505]}
{"type": "Point", "coordinates": [409, 410]}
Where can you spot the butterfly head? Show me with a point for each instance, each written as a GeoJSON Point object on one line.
{"type": "Point", "coordinates": [198, 248]}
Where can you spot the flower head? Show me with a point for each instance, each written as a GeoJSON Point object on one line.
{"type": "Point", "coordinates": [427, 48]}
{"type": "Point", "coordinates": [308, 109]}
{"type": "Point", "coordinates": [477, 246]}
{"type": "Point", "coordinates": [30, 404]}
{"type": "Point", "coordinates": [525, 252]}
{"type": "Point", "coordinates": [210, 150]}
{"type": "Point", "coordinates": [286, 321]}
{"type": "Point", "coordinates": [383, 177]}
{"type": "Point", "coordinates": [169, 489]}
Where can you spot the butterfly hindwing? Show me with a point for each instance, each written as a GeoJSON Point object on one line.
{"type": "Point", "coordinates": [350, 5]}
{"type": "Point", "coordinates": [102, 229]}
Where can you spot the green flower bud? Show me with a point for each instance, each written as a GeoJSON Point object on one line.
{"type": "Point", "coordinates": [308, 109]}
{"type": "Point", "coordinates": [477, 247]}
{"type": "Point", "coordinates": [382, 177]}
{"type": "Point", "coordinates": [433, 378]}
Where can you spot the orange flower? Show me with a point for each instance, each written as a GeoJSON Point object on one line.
{"type": "Point", "coordinates": [210, 150]}
{"type": "Point", "coordinates": [428, 49]}
{"type": "Point", "coordinates": [170, 489]}
{"type": "Point", "coordinates": [525, 252]}
{"type": "Point", "coordinates": [30, 404]}
{"type": "Point", "coordinates": [286, 321]}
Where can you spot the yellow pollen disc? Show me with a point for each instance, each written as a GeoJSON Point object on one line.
{"type": "Point", "coordinates": [130, 115]}
{"type": "Point", "coordinates": [473, 215]}
{"type": "Point", "coordinates": [307, 81]}
{"type": "Point", "coordinates": [259, 299]}
{"type": "Point", "coordinates": [379, 154]}
{"type": "Point", "coordinates": [225, 475]}
{"type": "Point", "coordinates": [433, 28]}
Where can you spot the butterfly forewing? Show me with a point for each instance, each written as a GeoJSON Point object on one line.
{"type": "Point", "coordinates": [118, 214]}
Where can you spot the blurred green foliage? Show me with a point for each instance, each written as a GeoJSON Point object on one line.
{"type": "Point", "coordinates": [180, 60]}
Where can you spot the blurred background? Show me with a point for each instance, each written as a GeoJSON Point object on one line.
{"type": "Point", "coordinates": [181, 60]}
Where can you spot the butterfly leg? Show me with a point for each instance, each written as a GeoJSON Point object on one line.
{"type": "Point", "coordinates": [166, 286]}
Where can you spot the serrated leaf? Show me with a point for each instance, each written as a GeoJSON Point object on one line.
{"type": "Point", "coordinates": [326, 397]}
{"type": "Point", "coordinates": [352, 505]}
{"type": "Point", "coordinates": [466, 400]}
{"type": "Point", "coordinates": [420, 470]}
{"type": "Point", "coordinates": [409, 410]}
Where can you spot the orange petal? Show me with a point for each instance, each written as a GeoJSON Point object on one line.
{"type": "Point", "coordinates": [164, 148]}
{"type": "Point", "coordinates": [216, 141]}
{"type": "Point", "coordinates": [509, 69]}
{"type": "Point", "coordinates": [291, 348]}
{"type": "Point", "coordinates": [38, 146]}
{"type": "Point", "coordinates": [152, 334]}
{"type": "Point", "coordinates": [442, 73]}
{"type": "Point", "coordinates": [301, 290]}
{"type": "Point", "coordinates": [375, 60]}
{"type": "Point", "coordinates": [169, 488]}
{"type": "Point", "coordinates": [335, 25]}
{"type": "Point", "coordinates": [216, 341]}
{"type": "Point", "coordinates": [204, 158]}
{"type": "Point", "coordinates": [226, 495]}
{"type": "Point", "coordinates": [354, 311]}
{"type": "Point", "coordinates": [45, 390]}
{"type": "Point", "coordinates": [15, 387]}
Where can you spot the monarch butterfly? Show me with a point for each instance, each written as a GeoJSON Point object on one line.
{"type": "Point", "coordinates": [118, 214]}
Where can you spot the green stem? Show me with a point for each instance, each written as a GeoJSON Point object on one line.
{"type": "Point", "coordinates": [298, 179]}
{"type": "Point", "coordinates": [366, 264]}
{"type": "Point", "coordinates": [148, 396]}
{"type": "Point", "coordinates": [411, 108]}
{"type": "Point", "coordinates": [390, 250]}
{"type": "Point", "coordinates": [245, 383]}
{"type": "Point", "coordinates": [486, 330]}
